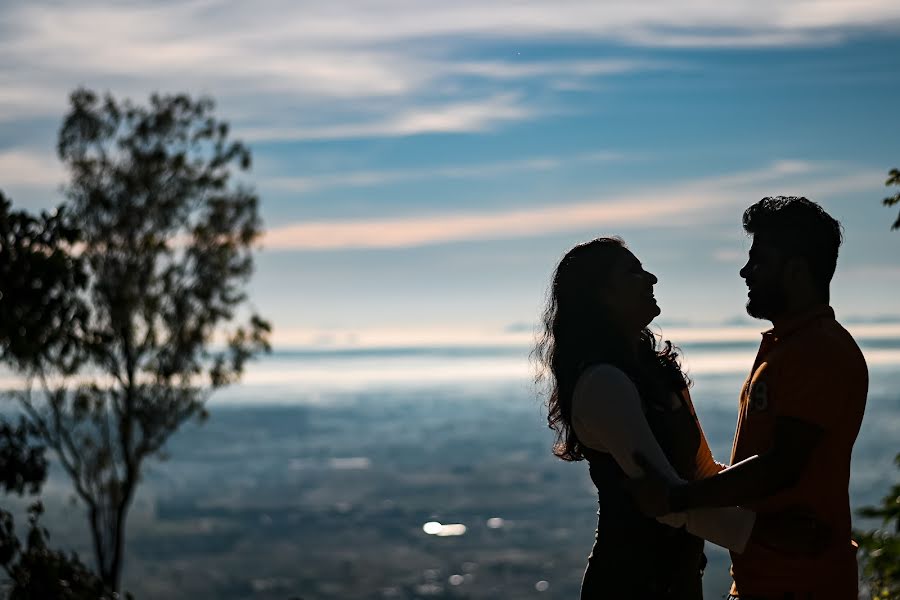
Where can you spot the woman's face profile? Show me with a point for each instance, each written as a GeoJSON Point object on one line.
{"type": "Point", "coordinates": [628, 292]}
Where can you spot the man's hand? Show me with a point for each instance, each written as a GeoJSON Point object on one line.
{"type": "Point", "coordinates": [650, 492]}
{"type": "Point", "coordinates": [792, 532]}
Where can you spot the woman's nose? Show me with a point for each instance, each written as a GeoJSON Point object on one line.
{"type": "Point", "coordinates": [652, 278]}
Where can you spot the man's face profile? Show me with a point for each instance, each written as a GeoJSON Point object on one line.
{"type": "Point", "coordinates": [764, 275]}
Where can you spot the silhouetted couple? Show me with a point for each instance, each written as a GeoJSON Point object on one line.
{"type": "Point", "coordinates": [620, 400]}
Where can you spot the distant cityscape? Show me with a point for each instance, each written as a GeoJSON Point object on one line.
{"type": "Point", "coordinates": [443, 491]}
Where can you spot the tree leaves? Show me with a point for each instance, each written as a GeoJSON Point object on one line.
{"type": "Point", "coordinates": [23, 466]}
{"type": "Point", "coordinates": [42, 315]}
{"type": "Point", "coordinates": [893, 179]}
{"type": "Point", "coordinates": [128, 291]}
{"type": "Point", "coordinates": [880, 548]}
{"type": "Point", "coordinates": [36, 571]}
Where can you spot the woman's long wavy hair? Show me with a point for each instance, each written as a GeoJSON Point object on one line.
{"type": "Point", "coordinates": [578, 332]}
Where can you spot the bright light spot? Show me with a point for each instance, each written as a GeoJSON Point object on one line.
{"type": "Point", "coordinates": [453, 529]}
{"type": "Point", "coordinates": [542, 586]}
{"type": "Point", "coordinates": [435, 528]}
{"type": "Point", "coordinates": [432, 527]}
{"type": "Point", "coordinates": [495, 523]}
{"type": "Point", "coordinates": [456, 579]}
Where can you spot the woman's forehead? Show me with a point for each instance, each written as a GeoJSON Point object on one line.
{"type": "Point", "coordinates": [626, 257]}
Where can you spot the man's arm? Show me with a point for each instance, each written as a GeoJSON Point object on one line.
{"type": "Point", "coordinates": [749, 480]}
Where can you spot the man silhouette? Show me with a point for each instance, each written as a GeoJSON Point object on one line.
{"type": "Point", "coordinates": [800, 412]}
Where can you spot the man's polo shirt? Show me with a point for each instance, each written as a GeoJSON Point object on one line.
{"type": "Point", "coordinates": [811, 369]}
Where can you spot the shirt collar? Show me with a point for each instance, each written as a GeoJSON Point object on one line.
{"type": "Point", "coordinates": [794, 324]}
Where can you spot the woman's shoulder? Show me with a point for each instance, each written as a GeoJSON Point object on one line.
{"type": "Point", "coordinates": [603, 371]}
{"type": "Point", "coordinates": [603, 378]}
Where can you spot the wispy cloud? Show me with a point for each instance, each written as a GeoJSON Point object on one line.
{"type": "Point", "coordinates": [690, 203]}
{"type": "Point", "coordinates": [460, 117]}
{"type": "Point", "coordinates": [42, 173]}
{"type": "Point", "coordinates": [418, 231]}
{"type": "Point", "coordinates": [26, 169]}
{"type": "Point", "coordinates": [381, 66]}
{"type": "Point", "coordinates": [552, 68]}
{"type": "Point", "coordinates": [733, 39]}
{"type": "Point", "coordinates": [382, 177]}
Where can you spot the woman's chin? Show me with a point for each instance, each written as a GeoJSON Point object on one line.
{"type": "Point", "coordinates": [645, 313]}
{"type": "Point", "coordinates": [650, 316]}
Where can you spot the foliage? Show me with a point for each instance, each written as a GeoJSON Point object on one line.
{"type": "Point", "coordinates": [39, 315]}
{"type": "Point", "coordinates": [881, 548]}
{"type": "Point", "coordinates": [160, 248]}
{"type": "Point", "coordinates": [23, 466]}
{"type": "Point", "coordinates": [37, 572]}
{"type": "Point", "coordinates": [893, 179]}
{"type": "Point", "coordinates": [36, 274]}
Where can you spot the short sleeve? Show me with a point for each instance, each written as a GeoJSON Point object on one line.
{"type": "Point", "coordinates": [806, 387]}
{"type": "Point", "coordinates": [607, 415]}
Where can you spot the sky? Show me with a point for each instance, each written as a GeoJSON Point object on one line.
{"type": "Point", "coordinates": [422, 166]}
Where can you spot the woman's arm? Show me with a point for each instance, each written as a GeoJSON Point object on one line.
{"type": "Point", "coordinates": [607, 416]}
{"type": "Point", "coordinates": [729, 527]}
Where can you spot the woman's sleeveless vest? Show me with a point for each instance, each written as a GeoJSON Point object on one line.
{"type": "Point", "coordinates": [637, 557]}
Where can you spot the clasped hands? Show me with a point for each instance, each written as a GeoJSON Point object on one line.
{"type": "Point", "coordinates": [792, 532]}
{"type": "Point", "coordinates": [652, 492]}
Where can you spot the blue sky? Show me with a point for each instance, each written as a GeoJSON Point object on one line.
{"type": "Point", "coordinates": [423, 165]}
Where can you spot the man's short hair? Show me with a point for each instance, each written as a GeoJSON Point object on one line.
{"type": "Point", "coordinates": [798, 227]}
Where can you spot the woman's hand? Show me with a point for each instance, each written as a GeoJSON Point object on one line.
{"type": "Point", "coordinates": [652, 491]}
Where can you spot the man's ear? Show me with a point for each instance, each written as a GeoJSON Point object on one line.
{"type": "Point", "coordinates": [796, 271]}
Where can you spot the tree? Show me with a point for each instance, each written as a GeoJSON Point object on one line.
{"type": "Point", "coordinates": [37, 572]}
{"type": "Point", "coordinates": [881, 548]}
{"type": "Point", "coordinates": [893, 179]}
{"type": "Point", "coordinates": [165, 242]}
{"type": "Point", "coordinates": [34, 570]}
{"type": "Point", "coordinates": [35, 272]}
{"type": "Point", "coordinates": [41, 310]}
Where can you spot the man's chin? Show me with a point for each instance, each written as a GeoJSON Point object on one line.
{"type": "Point", "coordinates": [758, 312]}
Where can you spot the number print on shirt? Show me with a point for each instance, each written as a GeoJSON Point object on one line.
{"type": "Point", "coordinates": [759, 397]}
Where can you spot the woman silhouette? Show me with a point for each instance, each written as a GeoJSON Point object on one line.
{"type": "Point", "coordinates": [615, 391]}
